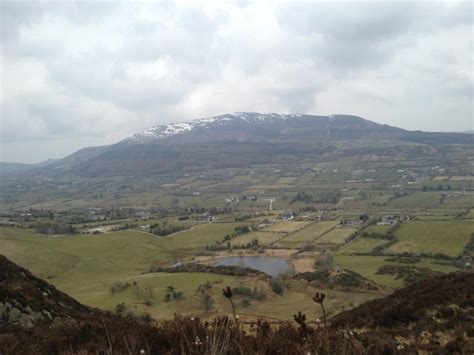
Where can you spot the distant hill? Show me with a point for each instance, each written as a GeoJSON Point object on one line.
{"type": "Point", "coordinates": [6, 167]}
{"type": "Point", "coordinates": [243, 139]}
{"type": "Point", "coordinates": [13, 167]}
{"type": "Point", "coordinates": [435, 315]}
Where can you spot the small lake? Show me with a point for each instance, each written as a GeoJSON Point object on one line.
{"type": "Point", "coordinates": [272, 266]}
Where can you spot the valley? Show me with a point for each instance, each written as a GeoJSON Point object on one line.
{"type": "Point", "coordinates": [354, 215]}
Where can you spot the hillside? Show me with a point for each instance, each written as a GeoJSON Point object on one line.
{"type": "Point", "coordinates": [433, 305]}
{"type": "Point", "coordinates": [37, 318]}
{"type": "Point", "coordinates": [243, 139]}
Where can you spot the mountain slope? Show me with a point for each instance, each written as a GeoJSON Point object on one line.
{"type": "Point", "coordinates": [254, 125]}
{"type": "Point", "coordinates": [438, 303]}
{"type": "Point", "coordinates": [244, 139]}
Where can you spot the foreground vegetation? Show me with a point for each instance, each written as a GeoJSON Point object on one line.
{"type": "Point", "coordinates": [402, 322]}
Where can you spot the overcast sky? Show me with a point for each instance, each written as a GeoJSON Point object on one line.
{"type": "Point", "coordinates": [76, 74]}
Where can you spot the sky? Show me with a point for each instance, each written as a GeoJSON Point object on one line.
{"type": "Point", "coordinates": [85, 73]}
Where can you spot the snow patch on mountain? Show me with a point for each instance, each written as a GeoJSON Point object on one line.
{"type": "Point", "coordinates": [166, 130]}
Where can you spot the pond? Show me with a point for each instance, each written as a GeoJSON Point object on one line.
{"type": "Point", "coordinates": [272, 266]}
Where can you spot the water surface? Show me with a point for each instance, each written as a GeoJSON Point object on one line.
{"type": "Point", "coordinates": [272, 266]}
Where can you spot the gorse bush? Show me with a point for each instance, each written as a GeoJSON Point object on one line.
{"type": "Point", "coordinates": [164, 230]}
{"type": "Point", "coordinates": [254, 293]}
{"type": "Point", "coordinates": [278, 286]}
{"type": "Point", "coordinates": [53, 227]}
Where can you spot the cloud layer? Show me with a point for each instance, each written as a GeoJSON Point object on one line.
{"type": "Point", "coordinates": [86, 73]}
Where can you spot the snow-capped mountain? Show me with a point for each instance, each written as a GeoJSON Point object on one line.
{"type": "Point", "coordinates": [243, 139]}
{"type": "Point", "coordinates": [230, 119]}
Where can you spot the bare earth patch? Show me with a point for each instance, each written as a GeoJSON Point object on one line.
{"type": "Point", "coordinates": [303, 264]}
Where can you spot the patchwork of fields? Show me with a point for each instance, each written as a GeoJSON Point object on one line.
{"type": "Point", "coordinates": [87, 266]}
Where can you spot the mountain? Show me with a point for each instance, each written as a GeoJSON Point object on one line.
{"type": "Point", "coordinates": [14, 167]}
{"type": "Point", "coordinates": [6, 167]}
{"type": "Point", "coordinates": [435, 316]}
{"type": "Point", "coordinates": [244, 139]}
{"type": "Point", "coordinates": [246, 125]}
{"type": "Point", "coordinates": [265, 126]}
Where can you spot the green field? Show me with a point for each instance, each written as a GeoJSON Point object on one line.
{"type": "Point", "coordinates": [416, 200]}
{"type": "Point", "coordinates": [87, 266]}
{"type": "Point", "coordinates": [378, 229]}
{"type": "Point", "coordinates": [286, 227]}
{"type": "Point", "coordinates": [308, 234]}
{"type": "Point", "coordinates": [470, 214]}
{"type": "Point", "coordinates": [360, 245]}
{"type": "Point", "coordinates": [109, 256]}
{"type": "Point", "coordinates": [433, 237]}
{"type": "Point", "coordinates": [367, 266]}
{"type": "Point", "coordinates": [264, 238]}
{"type": "Point", "coordinates": [336, 236]}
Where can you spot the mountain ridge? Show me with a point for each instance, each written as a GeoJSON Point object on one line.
{"type": "Point", "coordinates": [231, 119]}
{"type": "Point", "coordinates": [243, 120]}
{"type": "Point", "coordinates": [241, 139]}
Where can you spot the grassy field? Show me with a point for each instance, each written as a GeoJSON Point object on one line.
{"type": "Point", "coordinates": [199, 236]}
{"type": "Point", "coordinates": [470, 214]}
{"type": "Point", "coordinates": [416, 200]}
{"type": "Point", "coordinates": [367, 266]}
{"type": "Point", "coordinates": [433, 237]}
{"type": "Point", "coordinates": [335, 236]}
{"type": "Point", "coordinates": [379, 229]}
{"type": "Point", "coordinates": [105, 256]}
{"type": "Point", "coordinates": [264, 238]}
{"type": "Point", "coordinates": [360, 245]}
{"type": "Point", "coordinates": [286, 227]}
{"type": "Point", "coordinates": [308, 234]}
{"type": "Point", "coordinates": [87, 266]}
{"type": "Point", "coordinates": [466, 201]}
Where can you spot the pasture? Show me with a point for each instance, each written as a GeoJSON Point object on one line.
{"type": "Point", "coordinates": [286, 227]}
{"type": "Point", "coordinates": [306, 235]}
{"type": "Point", "coordinates": [87, 266]}
{"type": "Point", "coordinates": [416, 200]}
{"type": "Point", "coordinates": [378, 229]}
{"type": "Point", "coordinates": [367, 266]}
{"type": "Point", "coordinates": [264, 238]}
{"type": "Point", "coordinates": [433, 237]}
{"type": "Point", "coordinates": [335, 236]}
{"type": "Point", "coordinates": [360, 245]}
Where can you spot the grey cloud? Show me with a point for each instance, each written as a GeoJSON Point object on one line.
{"type": "Point", "coordinates": [84, 69]}
{"type": "Point", "coordinates": [16, 14]}
{"type": "Point", "coordinates": [367, 34]}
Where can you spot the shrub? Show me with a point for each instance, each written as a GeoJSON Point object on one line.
{"type": "Point", "coordinates": [119, 287]}
{"type": "Point", "coordinates": [149, 302]}
{"type": "Point", "coordinates": [278, 287]}
{"type": "Point", "coordinates": [245, 302]}
{"type": "Point", "coordinates": [120, 308]}
{"type": "Point", "coordinates": [254, 293]}
{"type": "Point", "coordinates": [207, 302]}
